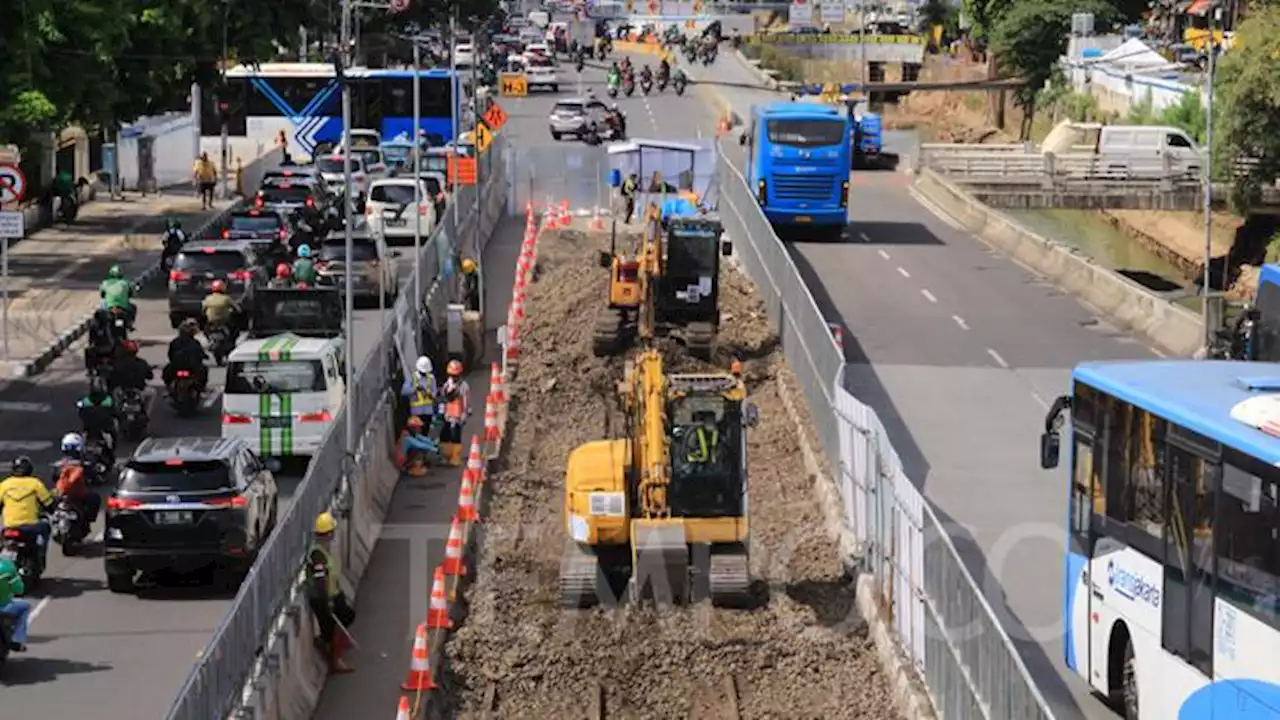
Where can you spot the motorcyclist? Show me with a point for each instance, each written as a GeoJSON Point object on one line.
{"type": "Point", "coordinates": [646, 75]}
{"type": "Point", "coordinates": [97, 412]}
{"type": "Point", "coordinates": [129, 372]}
{"type": "Point", "coordinates": [664, 70]}
{"type": "Point", "coordinates": [304, 270]}
{"type": "Point", "coordinates": [615, 76]}
{"type": "Point", "coordinates": [174, 237]}
{"type": "Point", "coordinates": [23, 500]}
{"type": "Point", "coordinates": [186, 353]}
{"type": "Point", "coordinates": [618, 120]}
{"type": "Point", "coordinates": [625, 65]}
{"type": "Point", "coordinates": [117, 294]}
{"type": "Point", "coordinates": [69, 479]}
{"type": "Point", "coordinates": [678, 78]}
{"type": "Point", "coordinates": [100, 350]}
{"type": "Point", "coordinates": [15, 608]}
{"type": "Point", "coordinates": [283, 277]}
{"type": "Point", "coordinates": [219, 310]}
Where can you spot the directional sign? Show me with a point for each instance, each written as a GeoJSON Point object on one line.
{"type": "Point", "coordinates": [483, 138]}
{"type": "Point", "coordinates": [13, 184]}
{"type": "Point", "coordinates": [495, 117]}
{"type": "Point", "coordinates": [513, 84]}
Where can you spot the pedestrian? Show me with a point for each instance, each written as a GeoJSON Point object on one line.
{"type": "Point", "coordinates": [629, 187]}
{"type": "Point", "coordinates": [205, 174]}
{"type": "Point", "coordinates": [324, 594]}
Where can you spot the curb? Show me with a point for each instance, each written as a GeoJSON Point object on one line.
{"type": "Point", "coordinates": [54, 350]}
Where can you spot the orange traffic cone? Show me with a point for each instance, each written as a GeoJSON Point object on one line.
{"type": "Point", "coordinates": [419, 677]}
{"type": "Point", "coordinates": [492, 433]}
{"type": "Point", "coordinates": [437, 612]}
{"type": "Point", "coordinates": [513, 344]}
{"type": "Point", "coordinates": [453, 564]}
{"type": "Point", "coordinates": [475, 462]}
{"type": "Point", "coordinates": [496, 391]}
{"type": "Point", "coordinates": [565, 217]}
{"type": "Point", "coordinates": [597, 222]}
{"type": "Point", "coordinates": [467, 498]}
{"type": "Point", "coordinates": [404, 712]}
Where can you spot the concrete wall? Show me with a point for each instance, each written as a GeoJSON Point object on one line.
{"type": "Point", "coordinates": [1129, 305]}
{"type": "Point", "coordinates": [173, 137]}
{"type": "Point", "coordinates": [874, 52]}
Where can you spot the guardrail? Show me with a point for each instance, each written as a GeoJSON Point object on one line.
{"type": "Point", "coordinates": [939, 617]}
{"type": "Point", "coordinates": [216, 682]}
{"type": "Point", "coordinates": [1005, 165]}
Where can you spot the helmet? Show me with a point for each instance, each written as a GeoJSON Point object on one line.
{"type": "Point", "coordinates": [115, 272]}
{"type": "Point", "coordinates": [22, 466]}
{"type": "Point", "coordinates": [415, 422]}
{"type": "Point", "coordinates": [613, 106]}
{"type": "Point", "coordinates": [325, 524]}
{"type": "Point", "coordinates": [283, 272]}
{"type": "Point", "coordinates": [468, 266]}
{"type": "Point", "coordinates": [218, 286]}
{"type": "Point", "coordinates": [423, 366]}
{"type": "Point", "coordinates": [175, 224]}
{"type": "Point", "coordinates": [189, 325]}
{"type": "Point", "coordinates": [454, 367]}
{"type": "Point", "coordinates": [72, 443]}
{"type": "Point", "coordinates": [304, 251]}
{"type": "Point", "coordinates": [130, 346]}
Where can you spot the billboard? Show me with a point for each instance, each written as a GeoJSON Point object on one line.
{"type": "Point", "coordinates": [800, 14]}
{"type": "Point", "coordinates": [832, 12]}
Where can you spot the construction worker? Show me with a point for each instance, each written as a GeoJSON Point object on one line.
{"type": "Point", "coordinates": [629, 188]}
{"type": "Point", "coordinates": [471, 284]}
{"type": "Point", "coordinates": [324, 594]}
{"type": "Point", "coordinates": [455, 409]}
{"type": "Point", "coordinates": [703, 445]}
{"type": "Point", "coordinates": [420, 390]}
{"type": "Point", "coordinates": [415, 447]}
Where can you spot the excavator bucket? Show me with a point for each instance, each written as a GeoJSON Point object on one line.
{"type": "Point", "coordinates": [660, 563]}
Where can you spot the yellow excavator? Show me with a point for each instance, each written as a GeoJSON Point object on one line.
{"type": "Point", "coordinates": [661, 512]}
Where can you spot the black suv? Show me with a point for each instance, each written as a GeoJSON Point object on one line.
{"type": "Point", "coordinates": [200, 263]}
{"type": "Point", "coordinates": [301, 198]}
{"type": "Point", "coordinates": [184, 504]}
{"type": "Point", "coordinates": [265, 229]}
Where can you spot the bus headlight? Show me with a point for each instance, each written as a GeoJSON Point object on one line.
{"type": "Point", "coordinates": [764, 196]}
{"type": "Point", "coordinates": [844, 194]}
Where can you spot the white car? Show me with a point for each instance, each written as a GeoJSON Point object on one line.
{"type": "Point", "coordinates": [362, 138]}
{"type": "Point", "coordinates": [332, 171]}
{"type": "Point", "coordinates": [537, 49]}
{"type": "Point", "coordinates": [464, 55]}
{"type": "Point", "coordinates": [540, 73]}
{"type": "Point", "coordinates": [375, 161]}
{"type": "Point", "coordinates": [390, 210]}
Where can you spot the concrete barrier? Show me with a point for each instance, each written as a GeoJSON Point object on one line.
{"type": "Point", "coordinates": [1124, 302]}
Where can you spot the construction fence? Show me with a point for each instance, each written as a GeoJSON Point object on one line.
{"type": "Point", "coordinates": [943, 625]}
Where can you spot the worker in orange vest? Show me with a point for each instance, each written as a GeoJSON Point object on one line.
{"type": "Point", "coordinates": [455, 401]}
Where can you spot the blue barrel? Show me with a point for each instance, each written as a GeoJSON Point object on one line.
{"type": "Point", "coordinates": [615, 178]}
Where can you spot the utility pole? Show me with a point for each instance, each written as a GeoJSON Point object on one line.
{"type": "Point", "coordinates": [222, 103]}
{"type": "Point", "coordinates": [1208, 174]}
{"type": "Point", "coordinates": [417, 176]}
{"type": "Point", "coordinates": [455, 99]}
{"type": "Point", "coordinates": [343, 62]}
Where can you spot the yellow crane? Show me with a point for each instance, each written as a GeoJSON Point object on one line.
{"type": "Point", "coordinates": [662, 510]}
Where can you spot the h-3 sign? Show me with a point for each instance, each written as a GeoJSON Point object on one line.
{"type": "Point", "coordinates": [13, 184]}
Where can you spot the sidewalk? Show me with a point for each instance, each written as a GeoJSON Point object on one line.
{"type": "Point", "coordinates": [54, 274]}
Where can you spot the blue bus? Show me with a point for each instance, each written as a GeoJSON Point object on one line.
{"type": "Point", "coordinates": [798, 163]}
{"type": "Point", "coordinates": [1172, 588]}
{"type": "Point", "coordinates": [303, 100]}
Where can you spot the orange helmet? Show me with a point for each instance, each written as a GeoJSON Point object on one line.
{"type": "Point", "coordinates": [415, 422]}
{"type": "Point", "coordinates": [735, 367]}
{"type": "Point", "coordinates": [454, 367]}
{"type": "Point", "coordinates": [130, 346]}
{"type": "Point", "coordinates": [283, 272]}
{"type": "Point", "coordinates": [218, 286]}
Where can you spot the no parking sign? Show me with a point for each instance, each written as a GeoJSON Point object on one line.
{"type": "Point", "coordinates": [13, 184]}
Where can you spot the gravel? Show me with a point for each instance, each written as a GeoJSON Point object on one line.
{"type": "Point", "coordinates": [803, 652]}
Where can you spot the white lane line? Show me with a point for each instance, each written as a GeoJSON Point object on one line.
{"type": "Point", "coordinates": [938, 212]}
{"type": "Point", "coordinates": [1156, 352]}
{"type": "Point", "coordinates": [39, 608]}
{"type": "Point", "coordinates": [863, 237]}
{"type": "Point", "coordinates": [996, 356]}
{"type": "Point", "coordinates": [883, 254]}
{"type": "Point", "coordinates": [903, 272]}
{"type": "Point", "coordinates": [928, 295]}
{"type": "Point", "coordinates": [25, 445]}
{"type": "Point", "coordinates": [29, 407]}
{"type": "Point", "coordinates": [1043, 403]}
{"type": "Point", "coordinates": [960, 321]}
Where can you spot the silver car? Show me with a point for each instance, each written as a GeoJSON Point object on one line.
{"type": "Point", "coordinates": [580, 117]}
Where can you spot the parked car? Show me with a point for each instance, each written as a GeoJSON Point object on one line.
{"type": "Point", "coordinates": [202, 262]}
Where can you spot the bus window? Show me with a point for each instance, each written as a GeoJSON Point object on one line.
{"type": "Point", "coordinates": [1248, 547]}
{"type": "Point", "coordinates": [1135, 476]}
{"type": "Point", "coordinates": [1086, 490]}
{"type": "Point", "coordinates": [806, 133]}
{"type": "Point", "coordinates": [1186, 608]}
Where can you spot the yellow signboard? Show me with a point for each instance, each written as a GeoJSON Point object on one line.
{"type": "Point", "coordinates": [513, 84]}
{"type": "Point", "coordinates": [483, 138]}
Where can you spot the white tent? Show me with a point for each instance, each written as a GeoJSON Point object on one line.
{"type": "Point", "coordinates": [1133, 55]}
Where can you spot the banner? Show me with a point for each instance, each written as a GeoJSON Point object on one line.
{"type": "Point", "coordinates": [800, 14]}
{"type": "Point", "coordinates": [822, 39]}
{"type": "Point", "coordinates": [832, 12]}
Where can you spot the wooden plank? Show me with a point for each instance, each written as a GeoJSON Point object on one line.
{"type": "Point", "coordinates": [731, 698]}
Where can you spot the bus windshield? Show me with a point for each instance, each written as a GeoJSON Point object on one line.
{"type": "Point", "coordinates": [806, 133]}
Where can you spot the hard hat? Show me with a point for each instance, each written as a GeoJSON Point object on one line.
{"type": "Point", "coordinates": [468, 266]}
{"type": "Point", "coordinates": [304, 251]}
{"type": "Point", "coordinates": [72, 442]}
{"type": "Point", "coordinates": [283, 272]}
{"type": "Point", "coordinates": [423, 366]}
{"type": "Point", "coordinates": [218, 286]}
{"type": "Point", "coordinates": [130, 346]}
{"type": "Point", "coordinates": [325, 524]}
{"type": "Point", "coordinates": [454, 367]}
{"type": "Point", "coordinates": [415, 422]}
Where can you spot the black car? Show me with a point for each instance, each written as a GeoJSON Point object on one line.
{"type": "Point", "coordinates": [263, 229]}
{"type": "Point", "coordinates": [200, 263]}
{"type": "Point", "coordinates": [305, 200]}
{"type": "Point", "coordinates": [184, 504]}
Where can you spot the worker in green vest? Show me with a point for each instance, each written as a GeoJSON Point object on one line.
{"type": "Point", "coordinates": [324, 593]}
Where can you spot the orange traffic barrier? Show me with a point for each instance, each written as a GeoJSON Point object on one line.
{"type": "Point", "coordinates": [419, 677]}
{"type": "Point", "coordinates": [403, 712]}
{"type": "Point", "coordinates": [496, 390]}
{"type": "Point", "coordinates": [492, 433]}
{"type": "Point", "coordinates": [467, 499]}
{"type": "Point", "coordinates": [453, 564]}
{"type": "Point", "coordinates": [438, 611]}
{"type": "Point", "coordinates": [475, 462]}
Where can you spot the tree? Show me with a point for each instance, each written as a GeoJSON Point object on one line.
{"type": "Point", "coordinates": [1248, 92]}
{"type": "Point", "coordinates": [1030, 37]}
{"type": "Point", "coordinates": [981, 16]}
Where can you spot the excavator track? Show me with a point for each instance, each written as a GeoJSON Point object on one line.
{"type": "Point", "coordinates": [580, 578]}
{"type": "Point", "coordinates": [610, 331]}
{"type": "Point", "coordinates": [700, 339]}
{"type": "Point", "coordinates": [730, 578]}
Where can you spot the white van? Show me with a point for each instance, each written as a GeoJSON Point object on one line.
{"type": "Point", "coordinates": [540, 18]}
{"type": "Point", "coordinates": [1145, 146]}
{"type": "Point", "coordinates": [283, 393]}
{"type": "Point", "coordinates": [390, 209]}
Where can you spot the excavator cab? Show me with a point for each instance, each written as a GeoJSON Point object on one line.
{"type": "Point", "coordinates": [688, 293]}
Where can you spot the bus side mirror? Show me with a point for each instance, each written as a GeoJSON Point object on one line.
{"type": "Point", "coordinates": [605, 260]}
{"type": "Point", "coordinates": [751, 415]}
{"type": "Point", "coordinates": [742, 140]}
{"type": "Point", "coordinates": [726, 248]}
{"type": "Point", "coordinates": [1050, 446]}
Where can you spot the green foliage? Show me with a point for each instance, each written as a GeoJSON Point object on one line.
{"type": "Point", "coordinates": [1248, 91]}
{"type": "Point", "coordinates": [1273, 249]}
{"type": "Point", "coordinates": [1030, 36]}
{"type": "Point", "coordinates": [788, 67]}
{"type": "Point", "coordinates": [982, 16]}
{"type": "Point", "coordinates": [939, 12]}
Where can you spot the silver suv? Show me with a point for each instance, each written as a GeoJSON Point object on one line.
{"type": "Point", "coordinates": [581, 117]}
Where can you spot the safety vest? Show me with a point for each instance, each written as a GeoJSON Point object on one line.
{"type": "Point", "coordinates": [702, 453]}
{"type": "Point", "coordinates": [455, 408]}
{"type": "Point", "coordinates": [421, 394]}
{"type": "Point", "coordinates": [333, 587]}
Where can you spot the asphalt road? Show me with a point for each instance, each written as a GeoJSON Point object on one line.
{"type": "Point", "coordinates": [961, 352]}
{"type": "Point", "coordinates": [115, 656]}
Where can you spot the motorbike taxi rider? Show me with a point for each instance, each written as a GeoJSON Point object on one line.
{"type": "Point", "coordinates": [23, 501]}
{"type": "Point", "coordinates": [219, 310]}
{"type": "Point", "coordinates": [129, 372]}
{"type": "Point", "coordinates": [98, 415]}
{"type": "Point", "coordinates": [186, 353]}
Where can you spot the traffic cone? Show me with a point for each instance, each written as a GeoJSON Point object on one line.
{"type": "Point", "coordinates": [467, 499]}
{"type": "Point", "coordinates": [496, 391]}
{"type": "Point", "coordinates": [419, 677]}
{"type": "Point", "coordinates": [404, 712]}
{"type": "Point", "coordinates": [475, 462]}
{"type": "Point", "coordinates": [437, 615]}
{"type": "Point", "coordinates": [597, 222]}
{"type": "Point", "coordinates": [513, 344]}
{"type": "Point", "coordinates": [492, 433]}
{"type": "Point", "coordinates": [453, 564]}
{"type": "Point", "coordinates": [565, 217]}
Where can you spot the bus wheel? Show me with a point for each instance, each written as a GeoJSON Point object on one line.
{"type": "Point", "coordinates": [1130, 687]}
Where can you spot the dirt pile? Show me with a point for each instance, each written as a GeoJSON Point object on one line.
{"type": "Point", "coordinates": [803, 653]}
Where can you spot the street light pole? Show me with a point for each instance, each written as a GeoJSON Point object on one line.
{"type": "Point", "coordinates": [348, 216]}
{"type": "Point", "coordinates": [226, 131]}
{"type": "Point", "coordinates": [455, 100]}
{"type": "Point", "coordinates": [417, 175]}
{"type": "Point", "coordinates": [1208, 177]}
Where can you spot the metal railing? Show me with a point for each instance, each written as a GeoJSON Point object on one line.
{"type": "Point", "coordinates": [1005, 165]}
{"type": "Point", "coordinates": [938, 615]}
{"type": "Point", "coordinates": [215, 683]}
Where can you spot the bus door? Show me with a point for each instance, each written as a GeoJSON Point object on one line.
{"type": "Point", "coordinates": [1087, 500]}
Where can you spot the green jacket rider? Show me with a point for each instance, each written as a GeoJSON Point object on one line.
{"type": "Point", "coordinates": [116, 291]}
{"type": "Point", "coordinates": [304, 270]}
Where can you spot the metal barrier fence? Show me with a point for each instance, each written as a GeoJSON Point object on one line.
{"type": "Point", "coordinates": [939, 617]}
{"type": "Point", "coordinates": [216, 681]}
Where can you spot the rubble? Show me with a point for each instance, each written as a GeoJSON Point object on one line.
{"type": "Point", "coordinates": [804, 652]}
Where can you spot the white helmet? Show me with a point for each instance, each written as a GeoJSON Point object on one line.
{"type": "Point", "coordinates": [423, 365]}
{"type": "Point", "coordinates": [72, 443]}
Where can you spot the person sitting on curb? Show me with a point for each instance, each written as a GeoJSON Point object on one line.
{"type": "Point", "coordinates": [414, 448]}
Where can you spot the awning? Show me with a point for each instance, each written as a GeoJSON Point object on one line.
{"type": "Point", "coordinates": [1199, 7]}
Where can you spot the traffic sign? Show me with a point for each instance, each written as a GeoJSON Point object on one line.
{"type": "Point", "coordinates": [12, 224]}
{"type": "Point", "coordinates": [483, 138]}
{"type": "Point", "coordinates": [513, 84]}
{"type": "Point", "coordinates": [495, 117]}
{"type": "Point", "coordinates": [13, 184]}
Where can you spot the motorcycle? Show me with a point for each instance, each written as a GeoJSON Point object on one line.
{"type": "Point", "coordinates": [613, 91]}
{"type": "Point", "coordinates": [133, 410]}
{"type": "Point", "coordinates": [23, 550]}
{"type": "Point", "coordinates": [709, 57]}
{"type": "Point", "coordinates": [662, 83]}
{"type": "Point", "coordinates": [221, 342]}
{"type": "Point", "coordinates": [184, 396]}
{"type": "Point", "coordinates": [579, 64]}
{"type": "Point", "coordinates": [679, 86]}
{"type": "Point", "coordinates": [95, 460]}
{"type": "Point", "coordinates": [628, 87]}
{"type": "Point", "coordinates": [173, 242]}
{"type": "Point", "coordinates": [69, 526]}
{"type": "Point", "coordinates": [645, 86]}
{"type": "Point", "coordinates": [119, 326]}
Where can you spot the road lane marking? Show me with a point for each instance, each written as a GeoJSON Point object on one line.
{"type": "Point", "coordinates": [883, 254]}
{"type": "Point", "coordinates": [39, 608]}
{"type": "Point", "coordinates": [1040, 400]}
{"type": "Point", "coordinates": [25, 445]}
{"type": "Point", "coordinates": [996, 356]}
{"type": "Point", "coordinates": [928, 295]}
{"type": "Point", "coordinates": [863, 236]}
{"type": "Point", "coordinates": [903, 272]}
{"type": "Point", "coordinates": [960, 321]}
{"type": "Point", "coordinates": [28, 407]}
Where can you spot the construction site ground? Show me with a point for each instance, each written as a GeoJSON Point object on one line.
{"type": "Point", "coordinates": [802, 652]}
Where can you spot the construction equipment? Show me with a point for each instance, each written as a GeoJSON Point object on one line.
{"type": "Point", "coordinates": [662, 510]}
{"type": "Point", "coordinates": [670, 286]}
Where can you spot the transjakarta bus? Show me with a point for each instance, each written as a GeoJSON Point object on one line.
{"type": "Point", "coordinates": [798, 163]}
{"type": "Point", "coordinates": [304, 100]}
{"type": "Point", "coordinates": [1173, 563]}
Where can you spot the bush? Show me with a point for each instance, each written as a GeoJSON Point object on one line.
{"type": "Point", "coordinates": [1273, 249]}
{"type": "Point", "coordinates": [788, 68]}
